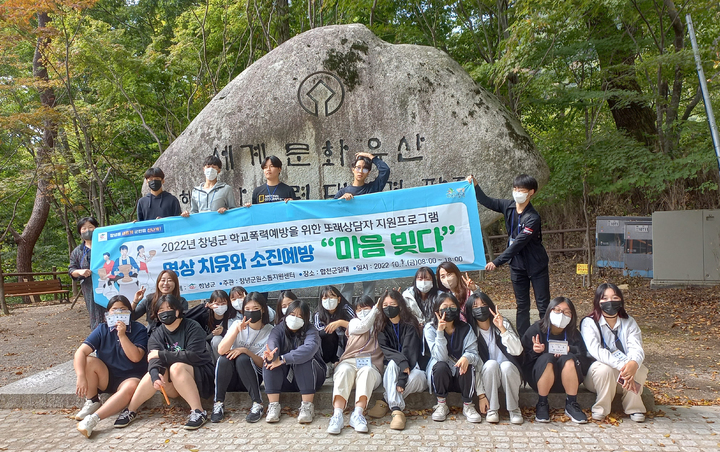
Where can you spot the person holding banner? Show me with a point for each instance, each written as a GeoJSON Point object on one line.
{"type": "Point", "coordinates": [167, 283]}
{"type": "Point", "coordinates": [212, 195]}
{"type": "Point", "coordinates": [400, 338]}
{"type": "Point", "coordinates": [361, 366]}
{"type": "Point", "coordinates": [331, 319]}
{"type": "Point", "coordinates": [284, 300]}
{"type": "Point", "coordinates": [273, 190]}
{"type": "Point", "coordinates": [293, 362]}
{"type": "Point", "coordinates": [454, 355]}
{"type": "Point", "coordinates": [158, 203]}
{"type": "Point", "coordinates": [420, 296]}
{"type": "Point", "coordinates": [553, 350]}
{"type": "Point", "coordinates": [241, 365]}
{"type": "Point", "coordinates": [179, 364]}
{"type": "Point", "coordinates": [361, 168]}
{"type": "Point", "coordinates": [500, 352]}
{"type": "Point", "coordinates": [525, 253]}
{"type": "Point", "coordinates": [614, 339]}
{"type": "Point", "coordinates": [120, 346]}
{"type": "Point", "coordinates": [79, 269]}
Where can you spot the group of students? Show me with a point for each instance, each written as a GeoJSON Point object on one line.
{"type": "Point", "coordinates": [438, 335]}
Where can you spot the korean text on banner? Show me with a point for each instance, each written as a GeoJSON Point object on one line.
{"type": "Point", "coordinates": [293, 245]}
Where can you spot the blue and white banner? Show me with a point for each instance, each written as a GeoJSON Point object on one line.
{"type": "Point", "coordinates": [278, 246]}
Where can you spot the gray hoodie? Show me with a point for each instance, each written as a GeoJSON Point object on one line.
{"type": "Point", "coordinates": [219, 195]}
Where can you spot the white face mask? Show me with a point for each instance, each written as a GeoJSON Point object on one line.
{"type": "Point", "coordinates": [211, 173]}
{"type": "Point", "coordinates": [559, 320]}
{"type": "Point", "coordinates": [450, 281]}
{"type": "Point", "coordinates": [329, 303]}
{"type": "Point", "coordinates": [220, 310]}
{"type": "Point", "coordinates": [423, 286]}
{"type": "Point", "coordinates": [363, 313]}
{"type": "Point", "coordinates": [237, 303]}
{"type": "Point", "coordinates": [520, 197]}
{"type": "Point", "coordinates": [284, 310]}
{"type": "Point", "coordinates": [294, 323]}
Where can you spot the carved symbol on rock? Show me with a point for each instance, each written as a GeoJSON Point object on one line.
{"type": "Point", "coordinates": [321, 91]}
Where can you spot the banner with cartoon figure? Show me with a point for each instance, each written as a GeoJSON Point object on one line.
{"type": "Point", "coordinates": [278, 246]}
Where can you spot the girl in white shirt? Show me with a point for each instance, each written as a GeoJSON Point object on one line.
{"type": "Point", "coordinates": [614, 339]}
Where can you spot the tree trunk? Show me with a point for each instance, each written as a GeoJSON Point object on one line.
{"type": "Point", "coordinates": [41, 208]}
{"type": "Point", "coordinates": [283, 21]}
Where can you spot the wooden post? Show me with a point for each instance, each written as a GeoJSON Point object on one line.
{"type": "Point", "coordinates": [3, 305]}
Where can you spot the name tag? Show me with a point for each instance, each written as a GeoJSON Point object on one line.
{"type": "Point", "coordinates": [363, 361]}
{"type": "Point", "coordinates": [620, 356]}
{"type": "Point", "coordinates": [558, 347]}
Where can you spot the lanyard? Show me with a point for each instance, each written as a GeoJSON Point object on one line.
{"type": "Point", "coordinates": [548, 335]}
{"type": "Point", "coordinates": [512, 224]}
{"type": "Point", "coordinates": [396, 329]}
{"type": "Point", "coordinates": [268, 189]}
{"type": "Point", "coordinates": [85, 252]}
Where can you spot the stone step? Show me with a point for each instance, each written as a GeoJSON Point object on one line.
{"type": "Point", "coordinates": [55, 389]}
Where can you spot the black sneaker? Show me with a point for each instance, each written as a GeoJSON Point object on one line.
{"type": "Point", "coordinates": [255, 413]}
{"type": "Point", "coordinates": [196, 420]}
{"type": "Point", "coordinates": [125, 418]}
{"type": "Point", "coordinates": [572, 409]}
{"type": "Point", "coordinates": [542, 411]}
{"type": "Point", "coordinates": [218, 412]}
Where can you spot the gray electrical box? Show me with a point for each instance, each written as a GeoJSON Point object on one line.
{"type": "Point", "coordinates": [638, 256]}
{"type": "Point", "coordinates": [610, 240]}
{"type": "Point", "coordinates": [686, 248]}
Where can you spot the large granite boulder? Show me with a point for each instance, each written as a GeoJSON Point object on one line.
{"type": "Point", "coordinates": [330, 92]}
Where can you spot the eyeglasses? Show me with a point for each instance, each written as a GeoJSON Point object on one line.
{"type": "Point", "coordinates": [567, 312]}
{"type": "Point", "coordinates": [361, 169]}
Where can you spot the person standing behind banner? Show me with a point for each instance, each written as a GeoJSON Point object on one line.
{"type": "Point", "coordinates": [79, 269]}
{"type": "Point", "coordinates": [211, 196]}
{"type": "Point", "coordinates": [158, 203]}
{"type": "Point", "coordinates": [273, 190]}
{"type": "Point", "coordinates": [361, 168]}
{"type": "Point", "coordinates": [525, 252]}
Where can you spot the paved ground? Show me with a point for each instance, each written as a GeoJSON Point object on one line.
{"type": "Point", "coordinates": [678, 429]}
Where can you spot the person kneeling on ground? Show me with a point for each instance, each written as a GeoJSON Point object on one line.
{"type": "Point", "coordinates": [120, 348]}
{"type": "Point", "coordinates": [179, 364]}
{"type": "Point", "coordinates": [554, 349]}
{"type": "Point", "coordinates": [453, 357]}
{"type": "Point", "coordinates": [500, 350]}
{"type": "Point", "coordinates": [293, 362]}
{"type": "Point", "coordinates": [614, 339]}
{"type": "Point", "coordinates": [400, 338]}
{"type": "Point", "coordinates": [361, 365]}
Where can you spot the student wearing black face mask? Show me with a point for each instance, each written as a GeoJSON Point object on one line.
{"type": "Point", "coordinates": [453, 357]}
{"type": "Point", "coordinates": [158, 203]}
{"type": "Point", "coordinates": [614, 339]}
{"type": "Point", "coordinates": [241, 365]}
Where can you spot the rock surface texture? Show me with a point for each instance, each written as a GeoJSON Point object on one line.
{"type": "Point", "coordinates": [334, 91]}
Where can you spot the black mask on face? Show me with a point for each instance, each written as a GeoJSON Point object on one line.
{"type": "Point", "coordinates": [451, 314]}
{"type": "Point", "coordinates": [611, 308]}
{"type": "Point", "coordinates": [167, 317]}
{"type": "Point", "coordinates": [391, 311]}
{"type": "Point", "coordinates": [155, 184]}
{"type": "Point", "coordinates": [481, 313]}
{"type": "Point", "coordinates": [253, 316]}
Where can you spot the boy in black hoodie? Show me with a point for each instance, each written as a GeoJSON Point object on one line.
{"type": "Point", "coordinates": [158, 203]}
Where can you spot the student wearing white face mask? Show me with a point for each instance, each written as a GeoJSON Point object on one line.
{"type": "Point", "coordinates": [240, 366]}
{"type": "Point", "coordinates": [212, 195]}
{"type": "Point", "coordinates": [614, 339]}
{"type": "Point", "coordinates": [284, 300]}
{"type": "Point", "coordinates": [420, 296]}
{"type": "Point", "coordinates": [293, 362]}
{"type": "Point", "coordinates": [331, 320]}
{"type": "Point", "coordinates": [220, 312]}
{"type": "Point", "coordinates": [525, 253]}
{"type": "Point", "coordinates": [554, 350]}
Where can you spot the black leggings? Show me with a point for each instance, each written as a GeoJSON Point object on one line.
{"type": "Point", "coordinates": [308, 378]}
{"type": "Point", "coordinates": [444, 381]}
{"type": "Point", "coordinates": [237, 375]}
{"type": "Point", "coordinates": [329, 345]}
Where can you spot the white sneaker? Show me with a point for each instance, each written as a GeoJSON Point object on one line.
{"type": "Point", "coordinates": [89, 408]}
{"type": "Point", "coordinates": [516, 417]}
{"type": "Point", "coordinates": [87, 425]}
{"type": "Point", "coordinates": [273, 412]}
{"type": "Point", "coordinates": [330, 370]}
{"type": "Point", "coordinates": [637, 417]}
{"type": "Point", "coordinates": [492, 416]}
{"type": "Point", "coordinates": [358, 422]}
{"type": "Point", "coordinates": [471, 413]}
{"type": "Point", "coordinates": [441, 412]}
{"type": "Point", "coordinates": [336, 424]}
{"type": "Point", "coordinates": [598, 417]}
{"type": "Point", "coordinates": [307, 413]}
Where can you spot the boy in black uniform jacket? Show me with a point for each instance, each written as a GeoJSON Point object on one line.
{"type": "Point", "coordinates": [525, 252]}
